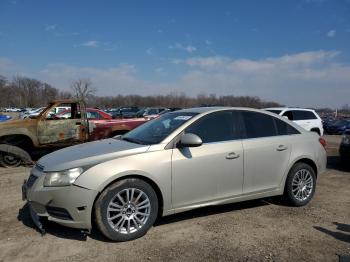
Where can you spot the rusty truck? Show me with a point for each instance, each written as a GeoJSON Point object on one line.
{"type": "Point", "coordinates": [21, 141]}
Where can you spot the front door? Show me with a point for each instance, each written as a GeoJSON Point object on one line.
{"type": "Point", "coordinates": [55, 130]}
{"type": "Point", "coordinates": [212, 171]}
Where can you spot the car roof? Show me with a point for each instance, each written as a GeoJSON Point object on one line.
{"type": "Point", "coordinates": [201, 110]}
{"type": "Point", "coordinates": [288, 108]}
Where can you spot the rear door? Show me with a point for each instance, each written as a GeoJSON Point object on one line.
{"type": "Point", "coordinates": [215, 169]}
{"type": "Point", "coordinates": [266, 151]}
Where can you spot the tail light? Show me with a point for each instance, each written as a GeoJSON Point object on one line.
{"type": "Point", "coordinates": [322, 141]}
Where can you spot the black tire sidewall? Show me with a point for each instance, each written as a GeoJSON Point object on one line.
{"type": "Point", "coordinates": [101, 206]}
{"type": "Point", "coordinates": [289, 189]}
{"type": "Point", "coordinates": [4, 163]}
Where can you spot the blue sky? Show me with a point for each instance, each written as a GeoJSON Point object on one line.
{"type": "Point", "coordinates": [294, 52]}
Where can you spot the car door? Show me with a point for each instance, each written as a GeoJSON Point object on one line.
{"type": "Point", "coordinates": [215, 169]}
{"type": "Point", "coordinates": [60, 131]}
{"type": "Point", "coordinates": [266, 153]}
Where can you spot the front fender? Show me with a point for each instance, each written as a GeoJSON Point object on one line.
{"type": "Point", "coordinates": [155, 166]}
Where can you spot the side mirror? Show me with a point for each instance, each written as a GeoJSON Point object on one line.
{"type": "Point", "coordinates": [286, 117]}
{"type": "Point", "coordinates": [190, 140]}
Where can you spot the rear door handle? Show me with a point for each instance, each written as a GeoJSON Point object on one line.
{"type": "Point", "coordinates": [232, 155]}
{"type": "Point", "coordinates": [282, 148]}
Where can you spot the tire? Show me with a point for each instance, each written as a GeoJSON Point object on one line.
{"type": "Point", "coordinates": [130, 221]}
{"type": "Point", "coordinates": [299, 191]}
{"type": "Point", "coordinates": [9, 161]}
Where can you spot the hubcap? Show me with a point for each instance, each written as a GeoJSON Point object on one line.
{"type": "Point", "coordinates": [302, 185]}
{"type": "Point", "coordinates": [128, 211]}
{"type": "Point", "coordinates": [11, 160]}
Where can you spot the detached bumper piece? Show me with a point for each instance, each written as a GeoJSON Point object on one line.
{"type": "Point", "coordinates": [36, 221]}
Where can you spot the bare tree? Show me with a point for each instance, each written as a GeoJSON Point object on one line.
{"type": "Point", "coordinates": [83, 89]}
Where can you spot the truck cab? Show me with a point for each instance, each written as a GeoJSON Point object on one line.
{"type": "Point", "coordinates": [19, 138]}
{"type": "Point", "coordinates": [22, 140]}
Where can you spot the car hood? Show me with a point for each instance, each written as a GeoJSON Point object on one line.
{"type": "Point", "coordinates": [89, 154]}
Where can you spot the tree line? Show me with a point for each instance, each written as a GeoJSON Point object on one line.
{"type": "Point", "coordinates": [23, 92]}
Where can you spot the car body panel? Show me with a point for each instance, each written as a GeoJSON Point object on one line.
{"type": "Point", "coordinates": [204, 173]}
{"type": "Point", "coordinates": [269, 163]}
{"type": "Point", "coordinates": [192, 177]}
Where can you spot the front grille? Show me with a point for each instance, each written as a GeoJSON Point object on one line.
{"type": "Point", "coordinates": [58, 212]}
{"type": "Point", "coordinates": [31, 180]}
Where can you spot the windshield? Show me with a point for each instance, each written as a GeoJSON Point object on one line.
{"type": "Point", "coordinates": [154, 131]}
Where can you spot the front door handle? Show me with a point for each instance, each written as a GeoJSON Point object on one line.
{"type": "Point", "coordinates": [232, 155]}
{"type": "Point", "coordinates": [282, 148]}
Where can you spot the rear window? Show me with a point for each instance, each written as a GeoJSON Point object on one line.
{"type": "Point", "coordinates": [303, 115]}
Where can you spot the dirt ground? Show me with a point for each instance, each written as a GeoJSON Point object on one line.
{"type": "Point", "coordinates": [259, 230]}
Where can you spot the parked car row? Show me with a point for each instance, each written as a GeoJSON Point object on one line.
{"type": "Point", "coordinates": [132, 112]}
{"type": "Point", "coordinates": [336, 126]}
{"type": "Point", "coordinates": [4, 118]}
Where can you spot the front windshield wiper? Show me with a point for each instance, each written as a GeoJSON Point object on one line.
{"type": "Point", "coordinates": [132, 140]}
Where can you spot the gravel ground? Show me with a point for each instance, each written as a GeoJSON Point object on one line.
{"type": "Point", "coordinates": [260, 230]}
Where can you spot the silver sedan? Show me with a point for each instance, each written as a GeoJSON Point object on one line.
{"type": "Point", "coordinates": [177, 162]}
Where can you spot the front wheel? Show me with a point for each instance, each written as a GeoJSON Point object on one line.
{"type": "Point", "coordinates": [8, 160]}
{"type": "Point", "coordinates": [300, 185]}
{"type": "Point", "coordinates": [126, 210]}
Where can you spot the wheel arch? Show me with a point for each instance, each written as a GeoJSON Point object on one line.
{"type": "Point", "coordinates": [316, 129]}
{"type": "Point", "coordinates": [309, 162]}
{"type": "Point", "coordinates": [148, 180]}
{"type": "Point", "coordinates": [20, 140]}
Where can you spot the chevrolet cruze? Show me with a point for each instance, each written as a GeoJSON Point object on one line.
{"type": "Point", "coordinates": [180, 161]}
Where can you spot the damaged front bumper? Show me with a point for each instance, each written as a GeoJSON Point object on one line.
{"type": "Point", "coordinates": [69, 206]}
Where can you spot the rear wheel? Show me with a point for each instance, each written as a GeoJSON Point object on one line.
{"type": "Point", "coordinates": [126, 210]}
{"type": "Point", "coordinates": [8, 160]}
{"type": "Point", "coordinates": [300, 185]}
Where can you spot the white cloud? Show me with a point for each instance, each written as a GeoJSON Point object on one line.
{"type": "Point", "coordinates": [159, 70]}
{"type": "Point", "coordinates": [50, 27]}
{"type": "Point", "coordinates": [331, 33]}
{"type": "Point", "coordinates": [91, 43]}
{"type": "Point", "coordinates": [187, 48]}
{"type": "Point", "coordinates": [309, 79]}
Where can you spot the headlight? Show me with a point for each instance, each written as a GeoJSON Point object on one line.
{"type": "Point", "coordinates": [62, 178]}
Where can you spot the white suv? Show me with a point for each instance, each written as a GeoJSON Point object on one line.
{"type": "Point", "coordinates": [306, 118]}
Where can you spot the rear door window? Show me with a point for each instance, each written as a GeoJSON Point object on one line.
{"type": "Point", "coordinates": [284, 129]}
{"type": "Point", "coordinates": [258, 124]}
